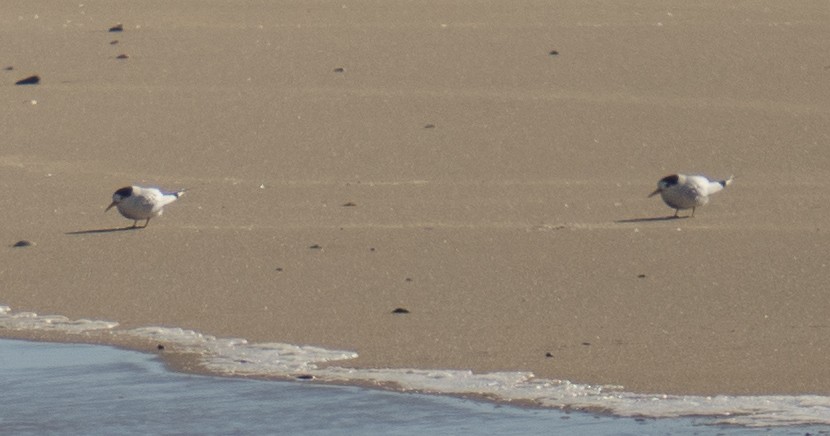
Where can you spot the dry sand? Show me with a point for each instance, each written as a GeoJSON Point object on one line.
{"type": "Point", "coordinates": [490, 180]}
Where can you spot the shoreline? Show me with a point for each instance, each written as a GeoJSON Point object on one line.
{"type": "Point", "coordinates": [581, 345]}
{"type": "Point", "coordinates": [256, 405]}
{"type": "Point", "coordinates": [188, 352]}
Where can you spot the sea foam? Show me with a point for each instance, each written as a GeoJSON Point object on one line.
{"type": "Point", "coordinates": [58, 323]}
{"type": "Point", "coordinates": [229, 356]}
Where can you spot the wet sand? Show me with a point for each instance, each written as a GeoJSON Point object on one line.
{"type": "Point", "coordinates": [346, 160]}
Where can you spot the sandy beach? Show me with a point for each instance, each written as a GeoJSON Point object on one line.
{"type": "Point", "coordinates": [482, 164]}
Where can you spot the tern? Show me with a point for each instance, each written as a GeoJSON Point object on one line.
{"type": "Point", "coordinates": [681, 191]}
{"type": "Point", "coordinates": [137, 203]}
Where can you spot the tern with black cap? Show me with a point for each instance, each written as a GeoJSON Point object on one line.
{"type": "Point", "coordinates": [681, 191]}
{"type": "Point", "coordinates": [138, 203]}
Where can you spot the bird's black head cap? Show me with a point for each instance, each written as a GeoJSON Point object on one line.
{"type": "Point", "coordinates": [124, 192]}
{"type": "Point", "coordinates": [670, 180]}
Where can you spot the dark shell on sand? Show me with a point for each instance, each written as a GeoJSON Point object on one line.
{"type": "Point", "coordinates": [31, 80]}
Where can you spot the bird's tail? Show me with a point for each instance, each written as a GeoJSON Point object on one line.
{"type": "Point", "coordinates": [718, 185]}
{"type": "Point", "coordinates": [178, 193]}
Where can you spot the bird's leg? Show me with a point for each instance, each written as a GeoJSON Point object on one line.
{"type": "Point", "coordinates": [693, 213]}
{"type": "Point", "coordinates": [676, 211]}
{"type": "Point", "coordinates": [135, 223]}
{"type": "Point", "coordinates": [146, 222]}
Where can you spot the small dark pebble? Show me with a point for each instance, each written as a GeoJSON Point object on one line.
{"type": "Point", "coordinates": [23, 243]}
{"type": "Point", "coordinates": [117, 28]}
{"type": "Point", "coordinates": [641, 276]}
{"type": "Point", "coordinates": [241, 361]}
{"type": "Point", "coordinates": [31, 80]}
{"type": "Point", "coordinates": [553, 53]}
{"type": "Point", "coordinates": [586, 343]}
{"type": "Point", "coordinates": [113, 42]}
{"type": "Point", "coordinates": [315, 247]}
{"type": "Point", "coordinates": [371, 248]}
{"type": "Point", "coordinates": [160, 347]}
{"type": "Point", "coordinates": [9, 68]}
{"type": "Point", "coordinates": [339, 70]}
{"type": "Point", "coordinates": [429, 126]}
{"type": "Point", "coordinates": [400, 310]}
{"type": "Point", "coordinates": [548, 354]}
{"type": "Point", "coordinates": [122, 56]}
{"type": "Point", "coordinates": [408, 279]}
{"type": "Point", "coordinates": [349, 204]}
{"type": "Point", "coordinates": [305, 377]}
{"type": "Point", "coordinates": [278, 269]}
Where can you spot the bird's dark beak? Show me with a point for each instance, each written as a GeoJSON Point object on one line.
{"type": "Point", "coordinates": [109, 207]}
{"type": "Point", "coordinates": [657, 191]}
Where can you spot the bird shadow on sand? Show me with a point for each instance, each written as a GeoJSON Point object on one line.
{"type": "Point", "coordinates": [117, 229]}
{"type": "Point", "coordinates": [652, 219]}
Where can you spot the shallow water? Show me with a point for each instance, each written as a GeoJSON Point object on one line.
{"type": "Point", "coordinates": [238, 357]}
{"type": "Point", "coordinates": [88, 389]}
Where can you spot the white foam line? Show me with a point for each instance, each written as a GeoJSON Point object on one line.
{"type": "Point", "coordinates": [238, 357]}
{"type": "Point", "coordinates": [231, 356]}
{"type": "Point", "coordinates": [33, 321]}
